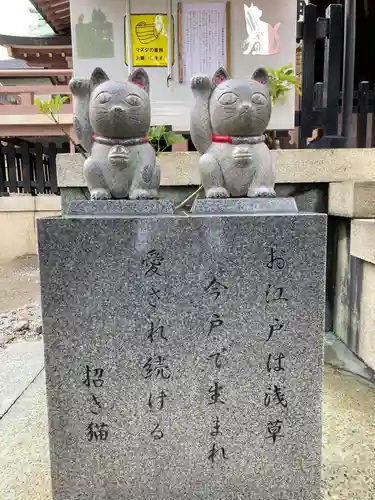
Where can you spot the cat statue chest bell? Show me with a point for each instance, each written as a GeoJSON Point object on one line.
{"type": "Point", "coordinates": [122, 164]}
{"type": "Point", "coordinates": [228, 121]}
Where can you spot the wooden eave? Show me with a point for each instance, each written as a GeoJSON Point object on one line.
{"type": "Point", "coordinates": [56, 13]}
{"type": "Point", "coordinates": [39, 51]}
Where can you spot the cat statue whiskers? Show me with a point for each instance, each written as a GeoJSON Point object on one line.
{"type": "Point", "coordinates": [122, 163]}
{"type": "Point", "coordinates": [228, 120]}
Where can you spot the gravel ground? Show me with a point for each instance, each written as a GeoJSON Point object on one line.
{"type": "Point", "coordinates": [24, 323]}
{"type": "Point", "coordinates": [20, 317]}
{"type": "Point", "coordinates": [348, 437]}
{"type": "Point", "coordinates": [19, 283]}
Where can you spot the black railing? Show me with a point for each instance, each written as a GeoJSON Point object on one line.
{"type": "Point", "coordinates": [28, 168]}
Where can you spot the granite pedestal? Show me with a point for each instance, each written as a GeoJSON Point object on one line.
{"type": "Point", "coordinates": [245, 205]}
{"type": "Point", "coordinates": [104, 208]}
{"type": "Point", "coordinates": [184, 355]}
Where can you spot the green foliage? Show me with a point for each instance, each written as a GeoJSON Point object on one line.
{"type": "Point", "coordinates": [158, 134]}
{"type": "Point", "coordinates": [282, 80]}
{"type": "Point", "coordinates": [52, 107]}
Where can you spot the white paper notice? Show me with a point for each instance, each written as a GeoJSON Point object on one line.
{"type": "Point", "coordinates": [204, 38]}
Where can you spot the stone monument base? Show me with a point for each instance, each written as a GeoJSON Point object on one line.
{"type": "Point", "coordinates": [184, 355]}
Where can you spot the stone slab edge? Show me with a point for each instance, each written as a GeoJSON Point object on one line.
{"type": "Point", "coordinates": [119, 207]}
{"type": "Point", "coordinates": [352, 199]}
{"type": "Point", "coordinates": [292, 166]}
{"type": "Point", "coordinates": [245, 206]}
{"type": "Point", "coordinates": [362, 239]}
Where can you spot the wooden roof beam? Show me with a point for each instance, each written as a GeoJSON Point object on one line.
{"type": "Point", "coordinates": [40, 73]}
{"type": "Point", "coordinates": [55, 18]}
{"type": "Point", "coordinates": [42, 4]}
{"type": "Point", "coordinates": [59, 23]}
{"type": "Point", "coordinates": [62, 12]}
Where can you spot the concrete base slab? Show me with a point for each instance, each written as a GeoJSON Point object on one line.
{"type": "Point", "coordinates": [20, 364]}
{"type": "Point", "coordinates": [352, 199]}
{"type": "Point", "coordinates": [24, 455]}
{"type": "Point", "coordinates": [348, 442]}
{"type": "Point", "coordinates": [338, 355]}
{"type": "Point", "coordinates": [362, 240]}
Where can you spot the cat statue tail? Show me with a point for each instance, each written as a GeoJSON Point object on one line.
{"type": "Point", "coordinates": [80, 89]}
{"type": "Point", "coordinates": [200, 122]}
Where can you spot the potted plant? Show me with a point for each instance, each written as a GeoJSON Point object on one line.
{"type": "Point", "coordinates": [281, 81]}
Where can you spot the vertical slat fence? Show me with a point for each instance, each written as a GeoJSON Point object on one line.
{"type": "Point", "coordinates": [28, 168]}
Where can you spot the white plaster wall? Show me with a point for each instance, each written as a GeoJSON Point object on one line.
{"type": "Point", "coordinates": [172, 105]}
{"type": "Point", "coordinates": [18, 216]}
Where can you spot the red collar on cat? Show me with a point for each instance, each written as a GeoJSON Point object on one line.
{"type": "Point", "coordinates": [238, 140]}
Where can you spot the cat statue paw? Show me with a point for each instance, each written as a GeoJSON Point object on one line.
{"type": "Point", "coordinates": [122, 164]}
{"type": "Point", "coordinates": [228, 121]}
{"type": "Point", "coordinates": [80, 89]}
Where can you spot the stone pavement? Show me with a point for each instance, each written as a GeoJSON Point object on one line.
{"type": "Point", "coordinates": [24, 460]}
{"type": "Point", "coordinates": [19, 282]}
{"type": "Point", "coordinates": [349, 426]}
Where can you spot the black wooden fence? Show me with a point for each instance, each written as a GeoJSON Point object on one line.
{"type": "Point", "coordinates": [321, 103]}
{"type": "Point", "coordinates": [27, 168]}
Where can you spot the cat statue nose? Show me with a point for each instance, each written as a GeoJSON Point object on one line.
{"type": "Point", "coordinates": [116, 115]}
{"type": "Point", "coordinates": [246, 107]}
{"type": "Point", "coordinates": [117, 110]}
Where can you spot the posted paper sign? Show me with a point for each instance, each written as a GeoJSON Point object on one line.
{"type": "Point", "coordinates": [204, 38]}
{"type": "Point", "coordinates": [149, 38]}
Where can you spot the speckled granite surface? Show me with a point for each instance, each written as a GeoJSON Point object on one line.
{"type": "Point", "coordinates": [245, 205]}
{"type": "Point", "coordinates": [119, 207]}
{"type": "Point", "coordinates": [184, 356]}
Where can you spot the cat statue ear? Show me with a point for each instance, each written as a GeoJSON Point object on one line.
{"type": "Point", "coordinates": [98, 76]}
{"type": "Point", "coordinates": [260, 75]}
{"type": "Point", "coordinates": [219, 76]}
{"type": "Point", "coordinates": [140, 77]}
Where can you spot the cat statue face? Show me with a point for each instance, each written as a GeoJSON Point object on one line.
{"type": "Point", "coordinates": [120, 109]}
{"type": "Point", "coordinates": [240, 108]}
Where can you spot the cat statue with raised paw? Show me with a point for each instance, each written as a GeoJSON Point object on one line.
{"type": "Point", "coordinates": [228, 121]}
{"type": "Point", "coordinates": [122, 164]}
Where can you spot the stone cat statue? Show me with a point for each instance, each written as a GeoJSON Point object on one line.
{"type": "Point", "coordinates": [122, 163]}
{"type": "Point", "coordinates": [228, 120]}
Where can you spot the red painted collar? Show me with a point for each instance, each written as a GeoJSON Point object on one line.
{"type": "Point", "coordinates": [222, 138]}
{"type": "Point", "coordinates": [226, 139]}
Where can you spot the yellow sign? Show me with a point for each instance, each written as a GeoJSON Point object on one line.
{"type": "Point", "coordinates": [149, 39]}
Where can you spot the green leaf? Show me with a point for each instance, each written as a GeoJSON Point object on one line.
{"type": "Point", "coordinates": [281, 81]}
{"type": "Point", "coordinates": [159, 131]}
{"type": "Point", "coordinates": [155, 133]}
{"type": "Point", "coordinates": [150, 134]}
{"type": "Point", "coordinates": [172, 138]}
{"type": "Point", "coordinates": [51, 104]}
{"type": "Point", "coordinates": [55, 104]}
